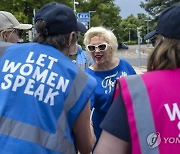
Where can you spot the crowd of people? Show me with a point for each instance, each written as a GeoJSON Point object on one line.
{"type": "Point", "coordinates": [57, 98]}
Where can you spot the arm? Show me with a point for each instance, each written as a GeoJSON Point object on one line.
{"type": "Point", "coordinates": [109, 144]}
{"type": "Point", "coordinates": [83, 131]}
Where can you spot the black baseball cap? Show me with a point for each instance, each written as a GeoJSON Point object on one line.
{"type": "Point", "coordinates": [168, 23]}
{"type": "Point", "coordinates": [60, 19]}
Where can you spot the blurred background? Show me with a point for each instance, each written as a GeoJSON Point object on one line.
{"type": "Point", "coordinates": [130, 20]}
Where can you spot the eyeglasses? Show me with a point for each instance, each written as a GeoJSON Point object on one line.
{"type": "Point", "coordinates": [18, 32]}
{"type": "Point", "coordinates": [101, 47]}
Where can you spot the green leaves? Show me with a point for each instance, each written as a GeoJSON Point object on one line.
{"type": "Point", "coordinates": [106, 14]}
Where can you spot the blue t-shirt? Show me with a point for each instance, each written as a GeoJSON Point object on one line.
{"type": "Point", "coordinates": [102, 96]}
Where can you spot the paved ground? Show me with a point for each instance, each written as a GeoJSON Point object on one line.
{"type": "Point", "coordinates": [137, 59]}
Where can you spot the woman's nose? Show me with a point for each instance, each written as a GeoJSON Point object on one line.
{"type": "Point", "coordinates": [96, 49]}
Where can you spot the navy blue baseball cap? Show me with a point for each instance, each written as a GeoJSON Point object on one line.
{"type": "Point", "coordinates": [59, 18]}
{"type": "Point", "coordinates": [168, 23]}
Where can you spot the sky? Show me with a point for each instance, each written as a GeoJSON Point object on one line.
{"type": "Point", "coordinates": [129, 7]}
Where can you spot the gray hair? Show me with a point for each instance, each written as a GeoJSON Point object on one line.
{"type": "Point", "coordinates": [3, 34]}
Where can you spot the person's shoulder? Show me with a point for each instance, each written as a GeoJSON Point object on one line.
{"type": "Point", "coordinates": [2, 43]}
{"type": "Point", "coordinates": [5, 44]}
{"type": "Point", "coordinates": [81, 51]}
{"type": "Point", "coordinates": [22, 44]}
{"type": "Point", "coordinates": [125, 64]}
{"type": "Point", "coordinates": [159, 73]}
{"type": "Point", "coordinates": [135, 77]}
{"type": "Point", "coordinates": [15, 46]}
{"type": "Point", "coordinates": [3, 47]}
{"type": "Point", "coordinates": [123, 61]}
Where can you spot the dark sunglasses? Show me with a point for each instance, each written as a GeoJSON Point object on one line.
{"type": "Point", "coordinates": [18, 32]}
{"type": "Point", "coordinates": [101, 47]}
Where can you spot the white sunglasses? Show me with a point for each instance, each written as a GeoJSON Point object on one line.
{"type": "Point", "coordinates": [101, 47]}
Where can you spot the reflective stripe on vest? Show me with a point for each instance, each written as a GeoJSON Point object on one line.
{"type": "Point", "coordinates": [3, 46]}
{"type": "Point", "coordinates": [36, 135]}
{"type": "Point", "coordinates": [142, 111]}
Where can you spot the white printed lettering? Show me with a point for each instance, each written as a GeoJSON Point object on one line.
{"type": "Point", "coordinates": [19, 81]}
{"type": "Point", "coordinates": [41, 59]}
{"type": "Point", "coordinates": [175, 111]}
{"type": "Point", "coordinates": [39, 92]}
{"type": "Point", "coordinates": [34, 81]}
{"type": "Point", "coordinates": [40, 75]}
{"type": "Point", "coordinates": [10, 66]}
{"type": "Point", "coordinates": [108, 83]}
{"type": "Point", "coordinates": [23, 68]}
{"type": "Point", "coordinates": [52, 60]}
{"type": "Point", "coordinates": [29, 60]}
{"type": "Point", "coordinates": [50, 96]}
{"type": "Point", "coordinates": [29, 86]}
{"type": "Point", "coordinates": [62, 84]}
{"type": "Point", "coordinates": [7, 79]}
{"type": "Point", "coordinates": [52, 78]}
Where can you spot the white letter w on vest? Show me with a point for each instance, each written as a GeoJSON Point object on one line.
{"type": "Point", "coordinates": [10, 66]}
{"type": "Point", "coordinates": [175, 111]}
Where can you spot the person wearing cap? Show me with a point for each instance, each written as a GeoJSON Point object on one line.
{"type": "Point", "coordinates": [145, 112]}
{"type": "Point", "coordinates": [10, 28]}
{"type": "Point", "coordinates": [44, 96]}
{"type": "Point", "coordinates": [80, 57]}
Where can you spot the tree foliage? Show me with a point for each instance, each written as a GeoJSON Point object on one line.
{"type": "Point", "coordinates": [105, 13]}
{"type": "Point", "coordinates": [129, 27]}
{"type": "Point", "coordinates": [23, 9]}
{"type": "Point", "coordinates": [154, 7]}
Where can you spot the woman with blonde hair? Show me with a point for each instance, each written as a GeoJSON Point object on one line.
{"type": "Point", "coordinates": [102, 44]}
